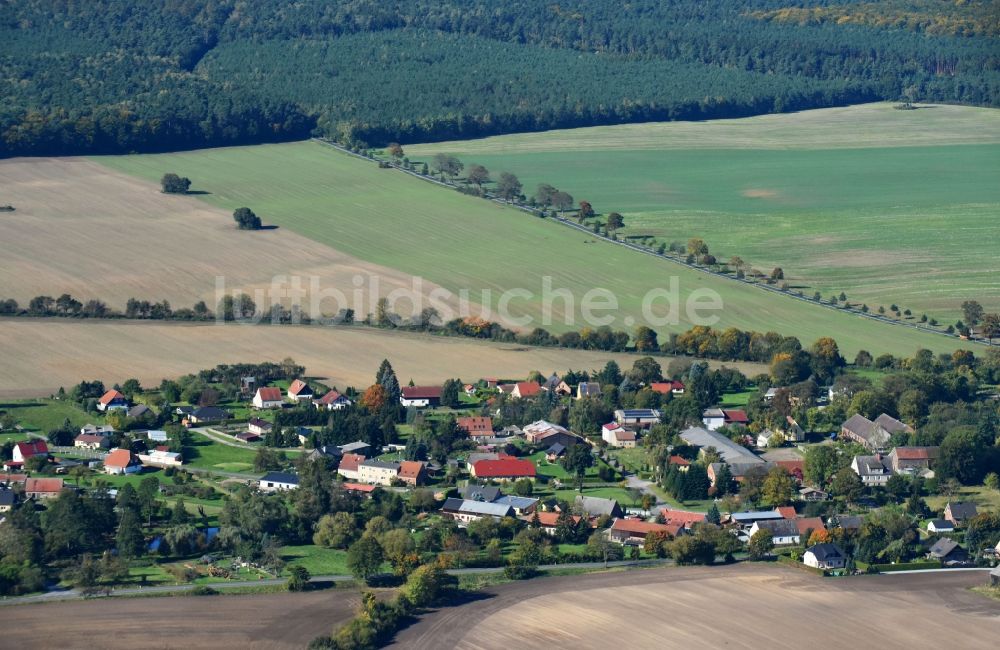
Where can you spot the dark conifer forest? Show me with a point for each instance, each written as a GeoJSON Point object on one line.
{"type": "Point", "coordinates": [121, 75]}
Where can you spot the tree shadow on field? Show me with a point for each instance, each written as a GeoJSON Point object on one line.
{"type": "Point", "coordinates": [268, 227]}
{"type": "Point", "coordinates": [197, 192]}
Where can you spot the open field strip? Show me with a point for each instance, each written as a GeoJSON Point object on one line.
{"type": "Point", "coordinates": [459, 242]}
{"type": "Point", "coordinates": [887, 206]}
{"type": "Point", "coordinates": [41, 355]}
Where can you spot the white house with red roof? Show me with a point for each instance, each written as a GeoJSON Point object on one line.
{"type": "Point", "coordinates": [348, 467]}
{"type": "Point", "coordinates": [268, 397]}
{"type": "Point", "coordinates": [332, 401]}
{"type": "Point", "coordinates": [665, 387]}
{"type": "Point", "coordinates": [111, 400]}
{"type": "Point", "coordinates": [633, 531]}
{"type": "Point", "coordinates": [618, 436]}
{"type": "Point", "coordinates": [299, 391]}
{"type": "Point", "coordinates": [503, 469]}
{"type": "Point", "coordinates": [420, 396]}
{"type": "Point", "coordinates": [29, 449]}
{"type": "Point", "coordinates": [524, 389]}
{"type": "Point", "coordinates": [685, 518]}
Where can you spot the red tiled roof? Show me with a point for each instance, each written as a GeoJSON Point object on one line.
{"type": "Point", "coordinates": [33, 448]}
{"type": "Point", "coordinates": [119, 458]}
{"type": "Point", "coordinates": [111, 396]}
{"type": "Point", "coordinates": [503, 468]}
{"type": "Point", "coordinates": [528, 388]}
{"type": "Point", "coordinates": [809, 523]}
{"type": "Point", "coordinates": [912, 453]}
{"type": "Point", "coordinates": [548, 519]}
{"type": "Point", "coordinates": [677, 460]}
{"type": "Point", "coordinates": [297, 387]}
{"type": "Point", "coordinates": [13, 478]}
{"type": "Point", "coordinates": [792, 466]}
{"type": "Point", "coordinates": [665, 387]}
{"type": "Point", "coordinates": [350, 462]}
{"type": "Point", "coordinates": [682, 517]}
{"type": "Point", "coordinates": [421, 392]}
{"type": "Point", "coordinates": [88, 437]}
{"type": "Point", "coordinates": [788, 512]}
{"type": "Point", "coordinates": [639, 527]}
{"type": "Point", "coordinates": [359, 487]}
{"type": "Point", "coordinates": [736, 416]}
{"type": "Point", "coordinates": [331, 397]}
{"type": "Point", "coordinates": [474, 425]}
{"type": "Point", "coordinates": [410, 469]}
{"type": "Point", "coordinates": [43, 485]}
{"type": "Point", "coordinates": [269, 394]}
{"type": "Point", "coordinates": [624, 434]}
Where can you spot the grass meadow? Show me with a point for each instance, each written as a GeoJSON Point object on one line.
{"type": "Point", "coordinates": [887, 206]}
{"type": "Point", "coordinates": [387, 218]}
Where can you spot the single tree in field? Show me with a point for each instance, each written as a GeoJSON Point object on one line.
{"type": "Point", "coordinates": [972, 311]}
{"type": "Point", "coordinates": [760, 545]}
{"type": "Point", "coordinates": [478, 175]}
{"type": "Point", "coordinates": [615, 221]}
{"type": "Point", "coordinates": [562, 201]}
{"type": "Point", "coordinates": [508, 187]}
{"type": "Point", "coordinates": [777, 273]}
{"type": "Point", "coordinates": [246, 219]}
{"type": "Point", "coordinates": [174, 184]}
{"type": "Point", "coordinates": [586, 210]}
{"type": "Point", "coordinates": [395, 150]}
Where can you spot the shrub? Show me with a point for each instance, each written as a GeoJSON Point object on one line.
{"type": "Point", "coordinates": [204, 590]}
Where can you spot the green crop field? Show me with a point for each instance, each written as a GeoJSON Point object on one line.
{"type": "Point", "coordinates": [385, 217]}
{"type": "Point", "coordinates": [888, 206]}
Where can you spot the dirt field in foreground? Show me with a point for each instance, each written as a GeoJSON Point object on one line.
{"type": "Point", "coordinates": [741, 607]}
{"type": "Point", "coordinates": [82, 229]}
{"type": "Point", "coordinates": [39, 355]}
{"type": "Point", "coordinates": [281, 621]}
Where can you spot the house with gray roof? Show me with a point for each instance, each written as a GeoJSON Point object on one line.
{"type": "Point", "coordinates": [486, 493]}
{"type": "Point", "coordinates": [948, 551]}
{"type": "Point", "coordinates": [872, 470]}
{"type": "Point", "coordinates": [596, 506]}
{"type": "Point", "coordinates": [521, 505]}
{"type": "Point", "coordinates": [958, 512]}
{"type": "Point", "coordinates": [784, 532]}
{"type": "Point", "coordinates": [463, 510]}
{"type": "Point", "coordinates": [824, 556]}
{"type": "Point", "coordinates": [874, 435]}
{"type": "Point", "coordinates": [730, 451]}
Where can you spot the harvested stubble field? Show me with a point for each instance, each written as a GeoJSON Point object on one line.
{"type": "Point", "coordinates": [888, 206]}
{"type": "Point", "coordinates": [82, 229]}
{"type": "Point", "coordinates": [751, 607]}
{"type": "Point", "coordinates": [280, 621]}
{"type": "Point", "coordinates": [463, 243]}
{"type": "Point", "coordinates": [42, 354]}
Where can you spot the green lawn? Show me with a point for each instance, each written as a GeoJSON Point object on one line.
{"type": "Point", "coordinates": [983, 497]}
{"type": "Point", "coordinates": [44, 415]}
{"type": "Point", "coordinates": [316, 559]}
{"type": "Point", "coordinates": [894, 210]}
{"type": "Point", "coordinates": [209, 454]}
{"type": "Point", "coordinates": [461, 242]}
{"type": "Point", "coordinates": [617, 493]}
{"type": "Point", "coordinates": [736, 399]}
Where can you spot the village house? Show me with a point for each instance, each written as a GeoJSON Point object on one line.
{"type": "Point", "coordinates": [641, 418]}
{"type": "Point", "coordinates": [632, 532]}
{"type": "Point", "coordinates": [715, 418]}
{"type": "Point", "coordinates": [138, 411]}
{"type": "Point", "coordinates": [588, 389]}
{"type": "Point", "coordinates": [548, 521]}
{"type": "Point", "coordinates": [784, 532]}
{"type": "Point", "coordinates": [304, 434]}
{"type": "Point", "coordinates": [730, 451]}
{"type": "Point", "coordinates": [948, 551]}
{"type": "Point", "coordinates": [377, 472]}
{"type": "Point", "coordinates": [746, 520]}
{"type": "Point", "coordinates": [102, 430]}
{"type": "Point", "coordinates": [463, 511]}
{"type": "Point", "coordinates": [356, 447]}
{"type": "Point", "coordinates": [247, 437]}
{"type": "Point", "coordinates": [268, 397]}
{"type": "Point", "coordinates": [912, 460]}
{"type": "Point", "coordinates": [8, 499]}
{"type": "Point", "coordinates": [521, 505]}
{"type": "Point", "coordinates": [299, 391]}
{"type": "Point", "coordinates": [938, 526]}
{"type": "Point", "coordinates": [348, 467]}
{"type": "Point", "coordinates": [523, 389]}
{"type": "Point", "coordinates": [412, 472]}
{"type": "Point", "coordinates": [618, 436]}
{"type": "Point", "coordinates": [503, 469]}
{"type": "Point", "coordinates": [161, 457]}
{"type": "Point", "coordinates": [29, 449]}
{"type": "Point", "coordinates": [121, 461]}
{"type": "Point", "coordinates": [808, 526]}
{"type": "Point", "coordinates": [92, 441]}
{"type": "Point", "coordinates": [555, 452]}
{"type": "Point", "coordinates": [872, 470]}
{"type": "Point", "coordinates": [959, 512]}
{"type": "Point", "coordinates": [546, 433]}
{"type": "Point", "coordinates": [112, 400]}
{"type": "Point", "coordinates": [667, 387]}
{"type": "Point", "coordinates": [476, 427]}
{"type": "Point", "coordinates": [277, 482]}
{"type": "Point", "coordinates": [420, 396]}
{"type": "Point", "coordinates": [208, 414]}
{"type": "Point", "coordinates": [42, 488]}
{"type": "Point", "coordinates": [597, 507]}
{"type": "Point", "coordinates": [156, 435]}
{"type": "Point", "coordinates": [680, 462]}
{"type": "Point", "coordinates": [360, 489]}
{"type": "Point", "coordinates": [813, 494]}
{"type": "Point", "coordinates": [7, 479]}
{"type": "Point", "coordinates": [683, 517]}
{"type": "Point", "coordinates": [475, 492]}
{"type": "Point", "coordinates": [332, 401]}
{"type": "Point", "coordinates": [824, 556]}
{"type": "Point", "coordinates": [259, 426]}
{"type": "Point", "coordinates": [875, 435]}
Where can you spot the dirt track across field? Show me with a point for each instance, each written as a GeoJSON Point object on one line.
{"type": "Point", "coordinates": [749, 606]}
{"type": "Point", "coordinates": [281, 621]}
{"type": "Point", "coordinates": [39, 355]}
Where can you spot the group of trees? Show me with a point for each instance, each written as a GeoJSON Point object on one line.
{"type": "Point", "coordinates": [246, 219]}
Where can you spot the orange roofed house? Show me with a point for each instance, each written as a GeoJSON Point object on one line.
{"type": "Point", "coordinates": [299, 391]}
{"type": "Point", "coordinates": [111, 400]}
{"type": "Point", "coordinates": [412, 472]}
{"type": "Point", "coordinates": [633, 531]}
{"type": "Point", "coordinates": [348, 467]}
{"type": "Point", "coordinates": [42, 488]}
{"type": "Point", "coordinates": [476, 427]}
{"type": "Point", "coordinates": [121, 461]}
{"type": "Point", "coordinates": [503, 469]}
